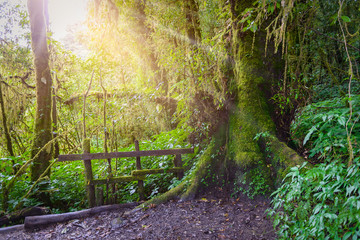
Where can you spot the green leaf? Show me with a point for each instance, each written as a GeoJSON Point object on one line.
{"type": "Point", "coordinates": [345, 18]}
{"type": "Point", "coordinates": [317, 208]}
{"type": "Point", "coordinates": [347, 235]}
{"type": "Point", "coordinates": [330, 215]}
{"type": "Point", "coordinates": [307, 137]}
{"type": "Point", "coordinates": [271, 8]}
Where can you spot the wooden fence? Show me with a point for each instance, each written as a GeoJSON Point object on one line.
{"type": "Point", "coordinates": [136, 175]}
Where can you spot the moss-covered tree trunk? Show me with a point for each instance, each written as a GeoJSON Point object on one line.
{"type": "Point", "coordinates": [247, 159]}
{"type": "Point", "coordinates": [5, 127]}
{"type": "Point", "coordinates": [41, 150]}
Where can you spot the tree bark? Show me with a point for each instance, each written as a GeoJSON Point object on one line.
{"type": "Point", "coordinates": [41, 150]}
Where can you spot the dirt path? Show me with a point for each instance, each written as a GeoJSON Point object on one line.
{"type": "Point", "coordinates": [203, 218]}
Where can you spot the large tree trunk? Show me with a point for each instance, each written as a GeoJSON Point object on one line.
{"type": "Point", "coordinates": [41, 150]}
{"type": "Point", "coordinates": [245, 158]}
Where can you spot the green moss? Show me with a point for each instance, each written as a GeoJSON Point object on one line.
{"type": "Point", "coordinates": [250, 115]}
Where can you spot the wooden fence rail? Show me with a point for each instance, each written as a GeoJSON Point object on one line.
{"type": "Point", "coordinates": [93, 156]}
{"type": "Point", "coordinates": [136, 175]}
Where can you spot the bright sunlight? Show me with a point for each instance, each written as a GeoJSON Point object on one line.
{"type": "Point", "coordinates": [64, 15]}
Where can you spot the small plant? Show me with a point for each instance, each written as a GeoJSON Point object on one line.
{"type": "Point", "coordinates": [252, 184]}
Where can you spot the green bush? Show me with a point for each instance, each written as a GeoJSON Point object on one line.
{"type": "Point", "coordinates": [322, 202]}
{"type": "Point", "coordinates": [321, 128]}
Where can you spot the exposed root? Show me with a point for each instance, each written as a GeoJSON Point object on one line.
{"type": "Point", "coordinates": [171, 194]}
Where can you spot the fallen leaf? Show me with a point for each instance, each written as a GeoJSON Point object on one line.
{"type": "Point", "coordinates": [64, 230]}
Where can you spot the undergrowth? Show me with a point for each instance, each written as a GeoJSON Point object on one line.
{"type": "Point", "coordinates": [66, 185]}
{"type": "Point", "coordinates": [322, 202]}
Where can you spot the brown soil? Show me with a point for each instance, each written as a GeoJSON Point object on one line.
{"type": "Point", "coordinates": [203, 218]}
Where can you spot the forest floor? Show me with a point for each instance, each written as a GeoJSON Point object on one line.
{"type": "Point", "coordinates": [214, 216]}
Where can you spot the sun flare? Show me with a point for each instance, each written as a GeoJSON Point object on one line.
{"type": "Point", "coordinates": [64, 14]}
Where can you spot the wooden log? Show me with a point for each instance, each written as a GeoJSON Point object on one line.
{"type": "Point", "coordinates": [11, 229]}
{"type": "Point", "coordinates": [90, 156]}
{"type": "Point", "coordinates": [142, 172]}
{"type": "Point", "coordinates": [38, 221]}
{"type": "Point", "coordinates": [141, 190]}
{"type": "Point", "coordinates": [117, 180]}
{"type": "Point", "coordinates": [90, 189]}
{"type": "Point", "coordinates": [19, 216]}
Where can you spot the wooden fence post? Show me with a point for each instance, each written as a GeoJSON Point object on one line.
{"type": "Point", "coordinates": [99, 196]}
{"type": "Point", "coordinates": [90, 189]}
{"type": "Point", "coordinates": [138, 167]}
{"type": "Point", "coordinates": [178, 163]}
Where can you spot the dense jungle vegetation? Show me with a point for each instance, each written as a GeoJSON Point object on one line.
{"type": "Point", "coordinates": [266, 91]}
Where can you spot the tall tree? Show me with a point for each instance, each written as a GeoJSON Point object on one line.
{"type": "Point", "coordinates": [243, 158]}
{"type": "Point", "coordinates": [42, 132]}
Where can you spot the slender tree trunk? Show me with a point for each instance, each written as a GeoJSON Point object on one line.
{"type": "Point", "coordinates": [6, 130]}
{"type": "Point", "coordinates": [41, 150]}
{"type": "Point", "coordinates": [54, 121]}
{"type": "Point", "coordinates": [106, 134]}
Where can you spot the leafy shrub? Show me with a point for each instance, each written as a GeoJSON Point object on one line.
{"type": "Point", "coordinates": [68, 184]}
{"type": "Point", "coordinates": [322, 128]}
{"type": "Point", "coordinates": [322, 202]}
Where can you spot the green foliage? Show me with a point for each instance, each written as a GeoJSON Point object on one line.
{"type": "Point", "coordinates": [321, 127]}
{"type": "Point", "coordinates": [68, 184]}
{"type": "Point", "coordinates": [252, 183]}
{"type": "Point", "coordinates": [321, 203]}
{"type": "Point", "coordinates": [213, 176]}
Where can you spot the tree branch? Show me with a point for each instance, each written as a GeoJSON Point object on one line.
{"type": "Point", "coordinates": [320, 33]}
{"type": "Point", "coordinates": [22, 79]}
